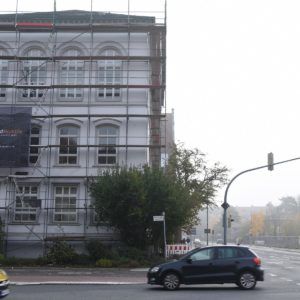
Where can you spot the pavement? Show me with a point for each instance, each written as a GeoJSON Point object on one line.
{"type": "Point", "coordinates": [52, 275]}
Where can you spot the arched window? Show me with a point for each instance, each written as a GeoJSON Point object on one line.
{"type": "Point", "coordinates": [33, 74]}
{"type": "Point", "coordinates": [107, 140]}
{"type": "Point", "coordinates": [68, 141]}
{"type": "Point", "coordinates": [34, 143]}
{"type": "Point", "coordinates": [109, 73]}
{"type": "Point", "coordinates": [71, 73]}
{"type": "Point", "coordinates": [3, 74]}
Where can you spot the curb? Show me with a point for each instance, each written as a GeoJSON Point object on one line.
{"type": "Point", "coordinates": [75, 283]}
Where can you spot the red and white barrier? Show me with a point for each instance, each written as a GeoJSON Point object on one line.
{"type": "Point", "coordinates": [178, 249]}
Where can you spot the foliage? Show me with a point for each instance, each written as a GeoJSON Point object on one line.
{"type": "Point", "coordinates": [98, 250]}
{"type": "Point", "coordinates": [257, 225]}
{"type": "Point", "coordinates": [2, 235]}
{"type": "Point", "coordinates": [120, 256]}
{"type": "Point", "coordinates": [283, 219]}
{"type": "Point", "coordinates": [60, 253]}
{"type": "Point", "coordinates": [127, 199]}
{"type": "Point", "coordinates": [189, 168]}
{"type": "Point", "coordinates": [104, 263]}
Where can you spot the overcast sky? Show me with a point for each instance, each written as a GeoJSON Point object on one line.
{"type": "Point", "coordinates": [233, 74]}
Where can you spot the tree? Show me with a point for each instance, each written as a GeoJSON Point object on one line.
{"type": "Point", "coordinates": [127, 199]}
{"type": "Point", "coordinates": [190, 169]}
{"type": "Point", "coordinates": [257, 224]}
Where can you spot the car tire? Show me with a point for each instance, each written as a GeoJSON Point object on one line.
{"type": "Point", "coordinates": [171, 281]}
{"type": "Point", "coordinates": [246, 281]}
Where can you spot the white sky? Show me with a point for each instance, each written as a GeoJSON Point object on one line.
{"type": "Point", "coordinates": [233, 73]}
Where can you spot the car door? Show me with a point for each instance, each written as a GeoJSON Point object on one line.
{"type": "Point", "coordinates": [226, 263]}
{"type": "Point", "coordinates": [198, 266]}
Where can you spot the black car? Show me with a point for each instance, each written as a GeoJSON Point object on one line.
{"type": "Point", "coordinates": [216, 264]}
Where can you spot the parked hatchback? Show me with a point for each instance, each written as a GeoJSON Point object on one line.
{"type": "Point", "coordinates": [216, 264]}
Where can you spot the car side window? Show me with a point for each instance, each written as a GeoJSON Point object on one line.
{"type": "Point", "coordinates": [229, 253]}
{"type": "Point", "coordinates": [204, 254]}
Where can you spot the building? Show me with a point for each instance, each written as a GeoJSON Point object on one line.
{"type": "Point", "coordinates": [80, 92]}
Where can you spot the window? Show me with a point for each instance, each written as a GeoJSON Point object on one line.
{"type": "Point", "coordinates": [109, 73]}
{"type": "Point", "coordinates": [71, 73]}
{"type": "Point", "coordinates": [33, 73]}
{"type": "Point", "coordinates": [230, 252]}
{"type": "Point", "coordinates": [27, 204]}
{"type": "Point", "coordinates": [203, 254]}
{"type": "Point", "coordinates": [34, 143]}
{"type": "Point", "coordinates": [3, 74]}
{"type": "Point", "coordinates": [107, 152]}
{"type": "Point", "coordinates": [65, 204]}
{"type": "Point", "coordinates": [68, 141]}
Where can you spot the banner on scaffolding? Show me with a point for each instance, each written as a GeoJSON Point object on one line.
{"type": "Point", "coordinates": [14, 136]}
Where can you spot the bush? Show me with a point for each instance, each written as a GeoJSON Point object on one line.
{"type": "Point", "coordinates": [60, 253]}
{"type": "Point", "coordinates": [119, 256]}
{"type": "Point", "coordinates": [98, 250]}
{"type": "Point", "coordinates": [104, 263]}
{"type": "Point", "coordinates": [82, 260]}
{"type": "Point", "coordinates": [125, 262]}
{"type": "Point", "coordinates": [131, 252]}
{"type": "Point", "coordinates": [2, 259]}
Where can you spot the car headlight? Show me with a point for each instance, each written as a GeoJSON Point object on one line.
{"type": "Point", "coordinates": [3, 273]}
{"type": "Point", "coordinates": [154, 270]}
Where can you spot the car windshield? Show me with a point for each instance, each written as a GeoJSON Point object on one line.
{"type": "Point", "coordinates": [184, 256]}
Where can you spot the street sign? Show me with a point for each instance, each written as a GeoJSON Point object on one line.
{"type": "Point", "coordinates": [225, 205]}
{"type": "Point", "coordinates": [158, 218]}
{"type": "Point", "coordinates": [194, 231]}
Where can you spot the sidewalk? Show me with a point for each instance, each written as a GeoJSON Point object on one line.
{"type": "Point", "coordinates": [48, 275]}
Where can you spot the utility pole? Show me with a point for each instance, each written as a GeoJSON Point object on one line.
{"type": "Point", "coordinates": [207, 225]}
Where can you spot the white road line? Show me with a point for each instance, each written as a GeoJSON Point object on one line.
{"type": "Point", "coordinates": [272, 275]}
{"type": "Point", "coordinates": [285, 279]}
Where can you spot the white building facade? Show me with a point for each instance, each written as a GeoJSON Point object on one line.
{"type": "Point", "coordinates": [91, 85]}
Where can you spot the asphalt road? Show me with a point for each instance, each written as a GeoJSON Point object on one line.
{"type": "Point", "coordinates": [266, 291]}
{"type": "Point", "coordinates": [282, 267]}
{"type": "Point", "coordinates": [282, 282]}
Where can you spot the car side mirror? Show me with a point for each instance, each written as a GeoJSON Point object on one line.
{"type": "Point", "coordinates": [189, 260]}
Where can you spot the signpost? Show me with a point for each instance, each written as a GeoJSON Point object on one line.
{"type": "Point", "coordinates": [162, 219]}
{"type": "Point", "coordinates": [158, 218]}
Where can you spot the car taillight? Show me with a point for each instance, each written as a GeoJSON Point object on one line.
{"type": "Point", "coordinates": [257, 261]}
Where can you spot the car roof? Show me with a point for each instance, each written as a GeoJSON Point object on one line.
{"type": "Point", "coordinates": [228, 246]}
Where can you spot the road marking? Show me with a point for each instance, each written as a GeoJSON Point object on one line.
{"type": "Point", "coordinates": [298, 283]}
{"type": "Point", "coordinates": [272, 275]}
{"type": "Point", "coordinates": [285, 279]}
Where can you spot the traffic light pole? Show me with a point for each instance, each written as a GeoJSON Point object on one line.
{"type": "Point", "coordinates": [225, 204]}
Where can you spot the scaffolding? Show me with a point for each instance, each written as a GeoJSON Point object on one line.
{"type": "Point", "coordinates": [143, 77]}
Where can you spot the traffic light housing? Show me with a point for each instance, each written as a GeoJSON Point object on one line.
{"type": "Point", "coordinates": [270, 161]}
{"type": "Point", "coordinates": [229, 221]}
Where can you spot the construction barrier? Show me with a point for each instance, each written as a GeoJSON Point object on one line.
{"type": "Point", "coordinates": [178, 249]}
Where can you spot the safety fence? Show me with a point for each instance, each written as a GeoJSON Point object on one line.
{"type": "Point", "coordinates": [178, 249]}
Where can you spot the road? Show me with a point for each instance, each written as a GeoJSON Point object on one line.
{"type": "Point", "coordinates": [282, 281]}
{"type": "Point", "coordinates": [282, 267]}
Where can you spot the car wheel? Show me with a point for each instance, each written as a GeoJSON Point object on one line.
{"type": "Point", "coordinates": [171, 281]}
{"type": "Point", "coordinates": [246, 281]}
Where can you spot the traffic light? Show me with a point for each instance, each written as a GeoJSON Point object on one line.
{"type": "Point", "coordinates": [270, 161]}
{"type": "Point", "coordinates": [229, 221]}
